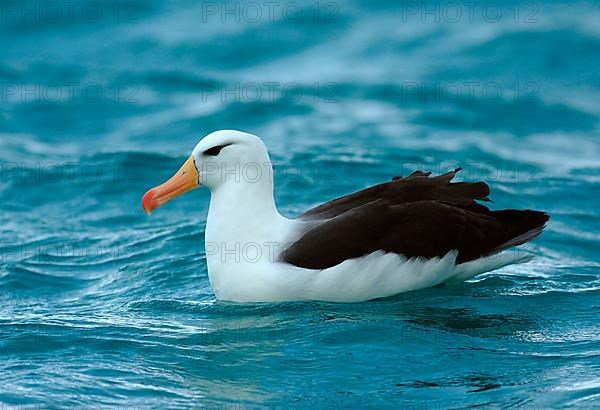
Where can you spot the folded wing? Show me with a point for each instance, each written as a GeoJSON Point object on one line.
{"type": "Point", "coordinates": [416, 216]}
{"type": "Point", "coordinates": [416, 187]}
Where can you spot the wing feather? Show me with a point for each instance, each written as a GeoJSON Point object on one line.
{"type": "Point", "coordinates": [418, 186]}
{"type": "Point", "coordinates": [416, 216]}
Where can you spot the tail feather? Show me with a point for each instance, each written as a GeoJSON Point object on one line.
{"type": "Point", "coordinates": [522, 226]}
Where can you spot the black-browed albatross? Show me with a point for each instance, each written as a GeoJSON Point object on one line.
{"type": "Point", "coordinates": [406, 234]}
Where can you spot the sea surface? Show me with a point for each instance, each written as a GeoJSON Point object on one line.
{"type": "Point", "coordinates": [102, 306]}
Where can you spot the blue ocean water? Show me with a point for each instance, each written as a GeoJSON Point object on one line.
{"type": "Point", "coordinates": [102, 306]}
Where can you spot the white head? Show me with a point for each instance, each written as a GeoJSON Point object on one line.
{"type": "Point", "coordinates": [230, 157]}
{"type": "Point", "coordinates": [226, 158]}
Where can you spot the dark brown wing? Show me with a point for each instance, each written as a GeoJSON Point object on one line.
{"type": "Point", "coordinates": [416, 187]}
{"type": "Point", "coordinates": [419, 216]}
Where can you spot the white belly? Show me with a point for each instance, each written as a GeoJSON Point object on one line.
{"type": "Point", "coordinates": [373, 276]}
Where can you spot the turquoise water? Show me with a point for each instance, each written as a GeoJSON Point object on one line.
{"type": "Point", "coordinates": [102, 306]}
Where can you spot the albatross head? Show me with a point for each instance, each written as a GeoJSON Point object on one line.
{"type": "Point", "coordinates": [223, 158]}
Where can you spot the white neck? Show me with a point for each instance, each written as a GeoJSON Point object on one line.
{"type": "Point", "coordinates": [243, 222]}
{"type": "Point", "coordinates": [244, 211]}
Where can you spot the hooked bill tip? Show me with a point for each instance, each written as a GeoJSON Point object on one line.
{"type": "Point", "coordinates": [148, 202]}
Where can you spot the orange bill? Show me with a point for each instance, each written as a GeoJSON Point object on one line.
{"type": "Point", "coordinates": [184, 180]}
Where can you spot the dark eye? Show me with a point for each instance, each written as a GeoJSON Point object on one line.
{"type": "Point", "coordinates": [214, 151]}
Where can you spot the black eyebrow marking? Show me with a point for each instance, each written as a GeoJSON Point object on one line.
{"type": "Point", "coordinates": [214, 151]}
